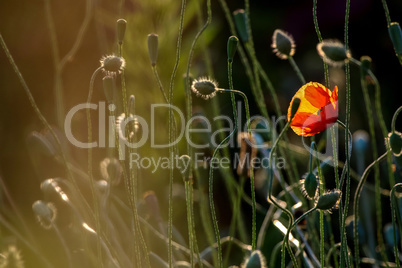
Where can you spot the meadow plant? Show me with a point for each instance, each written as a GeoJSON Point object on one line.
{"type": "Point", "coordinates": [181, 175]}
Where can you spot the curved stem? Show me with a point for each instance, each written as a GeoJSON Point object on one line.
{"type": "Point", "coordinates": [393, 209]}
{"type": "Point", "coordinates": [357, 197]}
{"type": "Point", "coordinates": [302, 217]}
{"type": "Point", "coordinates": [395, 117]}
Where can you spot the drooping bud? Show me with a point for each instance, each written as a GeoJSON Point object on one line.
{"type": "Point", "coordinates": [240, 19]}
{"type": "Point", "coordinates": [395, 142]}
{"type": "Point", "coordinates": [153, 48]}
{"type": "Point", "coordinates": [365, 66]}
{"type": "Point", "coordinates": [329, 200]}
{"type": "Point", "coordinates": [256, 260]}
{"type": "Point", "coordinates": [233, 42]}
{"type": "Point", "coordinates": [111, 170]}
{"type": "Point", "coordinates": [45, 213]}
{"type": "Point", "coordinates": [121, 30]}
{"type": "Point", "coordinates": [333, 52]}
{"type": "Point", "coordinates": [395, 33]}
{"type": "Point", "coordinates": [283, 44]}
{"type": "Point", "coordinates": [109, 87]}
{"type": "Point", "coordinates": [310, 185]}
{"type": "Point", "coordinates": [361, 141]}
{"type": "Point", "coordinates": [204, 88]}
{"type": "Point", "coordinates": [112, 64]}
{"type": "Point", "coordinates": [295, 107]}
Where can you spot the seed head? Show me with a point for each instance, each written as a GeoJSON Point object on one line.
{"type": "Point", "coordinates": [333, 52]}
{"type": "Point", "coordinates": [112, 64]}
{"type": "Point", "coordinates": [283, 44]}
{"type": "Point", "coordinates": [204, 88]}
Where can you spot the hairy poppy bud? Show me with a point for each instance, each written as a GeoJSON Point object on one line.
{"type": "Point", "coordinates": [121, 30]}
{"type": "Point", "coordinates": [395, 142]}
{"type": "Point", "coordinates": [310, 185]}
{"type": "Point", "coordinates": [333, 52]}
{"type": "Point", "coordinates": [204, 88]}
{"type": "Point", "coordinates": [233, 41]}
{"type": "Point", "coordinates": [153, 48]}
{"type": "Point", "coordinates": [329, 200]}
{"type": "Point", "coordinates": [45, 213]}
{"type": "Point", "coordinates": [240, 19]}
{"type": "Point", "coordinates": [283, 44]}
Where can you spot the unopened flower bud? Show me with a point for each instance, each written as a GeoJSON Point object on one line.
{"type": "Point", "coordinates": [240, 20]}
{"type": "Point", "coordinates": [333, 52]}
{"type": "Point", "coordinates": [310, 185]}
{"type": "Point", "coordinates": [283, 44]}
{"type": "Point", "coordinates": [365, 66]}
{"type": "Point", "coordinates": [329, 200]}
{"type": "Point", "coordinates": [45, 213]}
{"type": "Point", "coordinates": [395, 33]}
{"type": "Point", "coordinates": [121, 30]}
{"type": "Point", "coordinates": [111, 170]}
{"type": "Point", "coordinates": [233, 42]}
{"type": "Point", "coordinates": [153, 48]}
{"type": "Point", "coordinates": [204, 88]}
{"type": "Point", "coordinates": [395, 142]}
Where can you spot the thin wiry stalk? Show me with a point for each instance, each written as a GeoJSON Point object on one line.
{"type": "Point", "coordinates": [171, 156]}
{"type": "Point", "coordinates": [90, 175]}
{"type": "Point", "coordinates": [386, 10]}
{"type": "Point", "coordinates": [356, 203]}
{"type": "Point", "coordinates": [189, 113]}
{"type": "Point", "coordinates": [297, 70]}
{"type": "Point", "coordinates": [347, 123]}
{"type": "Point", "coordinates": [393, 209]}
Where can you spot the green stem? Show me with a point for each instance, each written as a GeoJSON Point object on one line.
{"type": "Point", "coordinates": [90, 174]}
{"type": "Point", "coordinates": [297, 70]}
{"type": "Point", "coordinates": [189, 222]}
{"type": "Point", "coordinates": [302, 217]}
{"type": "Point", "coordinates": [356, 203]}
{"type": "Point", "coordinates": [394, 118]}
{"type": "Point", "coordinates": [317, 30]}
{"type": "Point", "coordinates": [172, 78]}
{"type": "Point", "coordinates": [347, 123]}
{"type": "Point", "coordinates": [393, 209]}
{"type": "Point", "coordinates": [386, 10]}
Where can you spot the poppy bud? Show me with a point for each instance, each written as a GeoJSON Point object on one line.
{"type": "Point", "coordinates": [395, 142]}
{"type": "Point", "coordinates": [329, 200]}
{"type": "Point", "coordinates": [361, 141]}
{"type": "Point", "coordinates": [109, 87]}
{"type": "Point", "coordinates": [309, 186]}
{"type": "Point", "coordinates": [295, 107]}
{"type": "Point", "coordinates": [333, 52]}
{"type": "Point", "coordinates": [233, 41]}
{"type": "Point", "coordinates": [241, 24]}
{"type": "Point", "coordinates": [45, 213]}
{"type": "Point", "coordinates": [121, 30]}
{"type": "Point", "coordinates": [283, 44]}
{"type": "Point", "coordinates": [112, 65]}
{"type": "Point", "coordinates": [395, 33]}
{"type": "Point", "coordinates": [256, 260]}
{"type": "Point", "coordinates": [204, 88]}
{"type": "Point", "coordinates": [111, 170]}
{"type": "Point", "coordinates": [365, 66]}
{"type": "Point", "coordinates": [153, 48]}
{"type": "Point", "coordinates": [184, 166]}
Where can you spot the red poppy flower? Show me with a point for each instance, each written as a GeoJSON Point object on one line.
{"type": "Point", "coordinates": [318, 109]}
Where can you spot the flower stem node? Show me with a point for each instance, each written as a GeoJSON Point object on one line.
{"type": "Point", "coordinates": [233, 42]}
{"type": "Point", "coordinates": [333, 52]}
{"type": "Point", "coordinates": [395, 142]}
{"type": "Point", "coordinates": [256, 260]}
{"type": "Point", "coordinates": [329, 201]}
{"type": "Point", "coordinates": [283, 44]}
{"type": "Point", "coordinates": [153, 48]}
{"type": "Point", "coordinates": [204, 88]}
{"type": "Point", "coordinates": [121, 30]}
{"type": "Point", "coordinates": [240, 20]}
{"type": "Point", "coordinates": [395, 33]}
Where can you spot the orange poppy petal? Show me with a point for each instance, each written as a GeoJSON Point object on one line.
{"type": "Point", "coordinates": [318, 109]}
